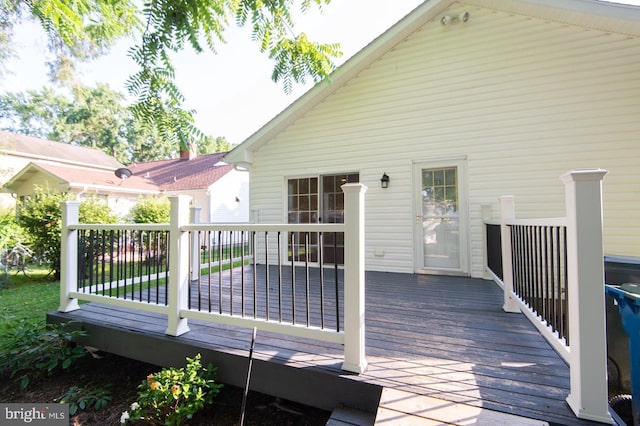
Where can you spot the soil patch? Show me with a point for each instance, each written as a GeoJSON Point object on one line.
{"type": "Point", "coordinates": [122, 376]}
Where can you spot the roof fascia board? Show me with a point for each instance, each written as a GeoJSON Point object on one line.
{"type": "Point", "coordinates": [241, 154]}
{"type": "Point", "coordinates": [105, 188]}
{"type": "Point", "coordinates": [48, 159]}
{"type": "Point", "coordinates": [602, 15]}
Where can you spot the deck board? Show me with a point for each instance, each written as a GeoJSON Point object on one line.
{"type": "Point", "coordinates": [435, 337]}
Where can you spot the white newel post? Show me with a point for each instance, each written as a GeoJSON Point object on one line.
{"type": "Point", "coordinates": [507, 212]}
{"type": "Point", "coordinates": [178, 265]}
{"type": "Point", "coordinates": [69, 256]}
{"type": "Point", "coordinates": [195, 245]}
{"type": "Point", "coordinates": [587, 324]}
{"type": "Point", "coordinates": [354, 337]}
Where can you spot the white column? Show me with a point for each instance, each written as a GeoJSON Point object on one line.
{"type": "Point", "coordinates": [507, 213]}
{"type": "Point", "coordinates": [195, 245]}
{"type": "Point", "coordinates": [178, 265]}
{"type": "Point", "coordinates": [585, 266]}
{"type": "Point", "coordinates": [69, 256]}
{"type": "Point", "coordinates": [354, 333]}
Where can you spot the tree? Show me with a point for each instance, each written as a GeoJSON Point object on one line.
{"type": "Point", "coordinates": [95, 117]}
{"type": "Point", "coordinates": [209, 145]}
{"type": "Point", "coordinates": [82, 29]}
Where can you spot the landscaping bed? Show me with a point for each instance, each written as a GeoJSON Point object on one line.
{"type": "Point", "coordinates": [121, 376]}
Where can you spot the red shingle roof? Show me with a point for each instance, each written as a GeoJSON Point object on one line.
{"type": "Point", "coordinates": [183, 174]}
{"type": "Point", "coordinates": [78, 177]}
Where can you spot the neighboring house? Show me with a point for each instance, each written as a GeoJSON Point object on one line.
{"type": "Point", "coordinates": [217, 188]}
{"type": "Point", "coordinates": [459, 103]}
{"type": "Point", "coordinates": [221, 191]}
{"type": "Point", "coordinates": [120, 194]}
{"type": "Point", "coordinates": [17, 151]}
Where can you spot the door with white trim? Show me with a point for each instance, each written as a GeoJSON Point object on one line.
{"type": "Point", "coordinates": [441, 217]}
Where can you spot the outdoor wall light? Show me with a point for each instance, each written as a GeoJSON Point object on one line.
{"type": "Point", "coordinates": [448, 19]}
{"type": "Point", "coordinates": [384, 180]}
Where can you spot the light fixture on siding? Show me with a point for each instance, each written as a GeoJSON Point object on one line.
{"type": "Point", "coordinates": [384, 180]}
{"type": "Point", "coordinates": [448, 19]}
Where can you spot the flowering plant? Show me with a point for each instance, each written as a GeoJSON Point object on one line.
{"type": "Point", "coordinates": [173, 395]}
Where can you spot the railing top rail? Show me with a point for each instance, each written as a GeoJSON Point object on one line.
{"type": "Point", "coordinates": [553, 221]}
{"type": "Point", "coordinates": [265, 227]}
{"type": "Point", "coordinates": [492, 222]}
{"type": "Point", "coordinates": [287, 227]}
{"type": "Point", "coordinates": [121, 226]}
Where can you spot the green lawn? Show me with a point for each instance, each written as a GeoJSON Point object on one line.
{"type": "Point", "coordinates": [28, 298]}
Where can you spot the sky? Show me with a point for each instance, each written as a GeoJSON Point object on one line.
{"type": "Point", "coordinates": [231, 91]}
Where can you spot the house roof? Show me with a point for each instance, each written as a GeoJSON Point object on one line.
{"type": "Point", "coordinates": [183, 174]}
{"type": "Point", "coordinates": [36, 149]}
{"type": "Point", "coordinates": [84, 179]}
{"type": "Point", "coordinates": [619, 18]}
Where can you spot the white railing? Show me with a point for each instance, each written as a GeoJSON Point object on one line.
{"type": "Point", "coordinates": [568, 271]}
{"type": "Point", "coordinates": [177, 267]}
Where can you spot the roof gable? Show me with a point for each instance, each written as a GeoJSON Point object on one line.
{"type": "Point", "coordinates": [36, 149]}
{"type": "Point", "coordinates": [611, 17]}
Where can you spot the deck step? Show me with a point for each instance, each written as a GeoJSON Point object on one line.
{"type": "Point", "coordinates": [346, 416]}
{"type": "Point", "coordinates": [408, 409]}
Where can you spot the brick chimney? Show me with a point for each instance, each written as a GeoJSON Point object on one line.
{"type": "Point", "coordinates": [188, 154]}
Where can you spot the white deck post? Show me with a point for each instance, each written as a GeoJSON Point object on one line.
{"type": "Point", "coordinates": [178, 265]}
{"type": "Point", "coordinates": [585, 266]}
{"type": "Point", "coordinates": [507, 212]}
{"type": "Point", "coordinates": [354, 336]}
{"type": "Point", "coordinates": [69, 256]}
{"type": "Point", "coordinates": [195, 245]}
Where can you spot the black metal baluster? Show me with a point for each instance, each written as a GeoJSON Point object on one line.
{"type": "Point", "coordinates": [279, 246]}
{"type": "Point", "coordinates": [255, 273]}
{"type": "Point", "coordinates": [220, 272]}
{"type": "Point", "coordinates": [266, 271]}
{"type": "Point", "coordinates": [335, 266]}
{"type": "Point", "coordinates": [321, 264]}
{"type": "Point", "coordinates": [306, 269]}
{"type": "Point", "coordinates": [242, 254]}
{"type": "Point", "coordinates": [209, 262]}
{"type": "Point", "coordinates": [230, 233]}
{"type": "Point", "coordinates": [293, 278]}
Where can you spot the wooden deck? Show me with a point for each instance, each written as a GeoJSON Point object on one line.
{"type": "Point", "coordinates": [432, 341]}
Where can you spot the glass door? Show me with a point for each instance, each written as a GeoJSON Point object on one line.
{"type": "Point", "coordinates": [306, 200]}
{"type": "Point", "coordinates": [333, 212]}
{"type": "Point", "coordinates": [439, 218]}
{"type": "Point", "coordinates": [302, 207]}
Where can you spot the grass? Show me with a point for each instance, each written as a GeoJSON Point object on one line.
{"type": "Point", "coordinates": [29, 298]}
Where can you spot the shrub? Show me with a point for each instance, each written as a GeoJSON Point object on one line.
{"type": "Point", "coordinates": [151, 210]}
{"type": "Point", "coordinates": [95, 210]}
{"type": "Point", "coordinates": [41, 216]}
{"type": "Point", "coordinates": [30, 350]}
{"type": "Point", "coordinates": [174, 395]}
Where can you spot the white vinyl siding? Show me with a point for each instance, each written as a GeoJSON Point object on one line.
{"type": "Point", "coordinates": [522, 100]}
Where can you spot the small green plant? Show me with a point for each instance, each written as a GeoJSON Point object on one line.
{"type": "Point", "coordinates": [80, 399]}
{"type": "Point", "coordinates": [173, 395]}
{"type": "Point", "coordinates": [30, 350]}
